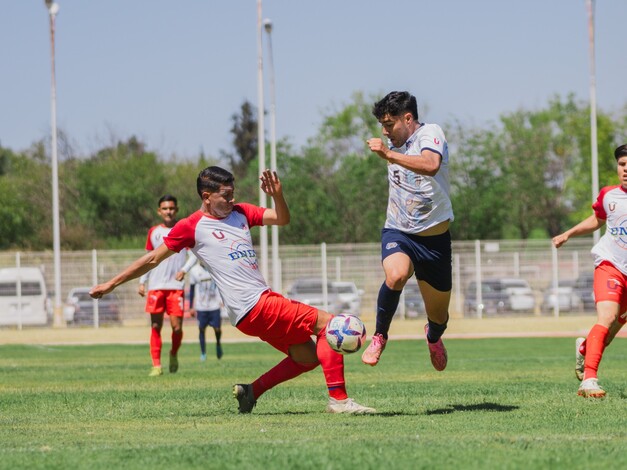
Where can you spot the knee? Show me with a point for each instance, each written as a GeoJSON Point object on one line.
{"type": "Point", "coordinates": [395, 280]}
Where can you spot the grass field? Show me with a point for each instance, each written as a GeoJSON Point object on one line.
{"type": "Point", "coordinates": [501, 403]}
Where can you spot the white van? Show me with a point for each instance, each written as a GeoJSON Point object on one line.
{"type": "Point", "coordinates": [23, 297]}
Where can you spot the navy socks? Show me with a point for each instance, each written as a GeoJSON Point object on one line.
{"type": "Point", "coordinates": [435, 331]}
{"type": "Point", "coordinates": [387, 303]}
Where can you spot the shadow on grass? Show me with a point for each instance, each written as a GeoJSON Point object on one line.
{"type": "Point", "coordinates": [478, 407]}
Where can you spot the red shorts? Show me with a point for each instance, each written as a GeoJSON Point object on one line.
{"type": "Point", "coordinates": [168, 301]}
{"type": "Point", "coordinates": [280, 322]}
{"type": "Point", "coordinates": [611, 285]}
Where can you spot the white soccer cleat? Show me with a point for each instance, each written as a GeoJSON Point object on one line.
{"type": "Point", "coordinates": [590, 388]}
{"type": "Point", "coordinates": [579, 359]}
{"type": "Point", "coordinates": [349, 406]}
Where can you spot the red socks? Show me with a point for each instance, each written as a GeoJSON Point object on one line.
{"type": "Point", "coordinates": [285, 370]}
{"type": "Point", "coordinates": [177, 339]}
{"type": "Point", "coordinates": [595, 345]}
{"type": "Point", "coordinates": [332, 366]}
{"type": "Point", "coordinates": [155, 346]}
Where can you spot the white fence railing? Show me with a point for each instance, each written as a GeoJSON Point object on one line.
{"type": "Point", "coordinates": [534, 261]}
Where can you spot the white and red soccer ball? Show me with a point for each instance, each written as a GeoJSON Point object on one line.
{"type": "Point", "coordinates": [346, 333]}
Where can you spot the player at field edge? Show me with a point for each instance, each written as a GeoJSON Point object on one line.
{"type": "Point", "coordinates": [415, 238]}
{"type": "Point", "coordinates": [205, 303]}
{"type": "Point", "coordinates": [610, 276]}
{"type": "Point", "coordinates": [219, 235]}
{"type": "Point", "coordinates": [165, 288]}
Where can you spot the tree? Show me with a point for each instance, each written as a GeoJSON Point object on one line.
{"type": "Point", "coordinates": [119, 188]}
{"type": "Point", "coordinates": [245, 139]}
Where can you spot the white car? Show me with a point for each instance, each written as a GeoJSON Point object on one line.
{"type": "Point", "coordinates": [349, 295]}
{"type": "Point", "coordinates": [342, 297]}
{"type": "Point", "coordinates": [520, 295]}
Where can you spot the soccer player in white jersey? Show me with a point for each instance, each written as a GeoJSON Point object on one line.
{"type": "Point", "coordinates": [205, 303]}
{"type": "Point", "coordinates": [219, 235]}
{"type": "Point", "coordinates": [415, 238]}
{"type": "Point", "coordinates": [610, 274]}
{"type": "Point", "coordinates": [165, 288]}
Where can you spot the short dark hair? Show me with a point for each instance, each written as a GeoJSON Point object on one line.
{"type": "Point", "coordinates": [620, 151]}
{"type": "Point", "coordinates": [211, 178]}
{"type": "Point", "coordinates": [167, 197]}
{"type": "Point", "coordinates": [395, 104]}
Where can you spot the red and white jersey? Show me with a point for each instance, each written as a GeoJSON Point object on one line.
{"type": "Point", "coordinates": [611, 206]}
{"type": "Point", "coordinates": [225, 246]}
{"type": "Point", "coordinates": [162, 277]}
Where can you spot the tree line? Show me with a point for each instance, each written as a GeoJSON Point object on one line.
{"type": "Point", "coordinates": [525, 176]}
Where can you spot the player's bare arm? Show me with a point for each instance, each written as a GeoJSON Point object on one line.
{"type": "Point", "coordinates": [271, 185]}
{"type": "Point", "coordinates": [584, 227]}
{"type": "Point", "coordinates": [428, 164]}
{"type": "Point", "coordinates": [141, 266]}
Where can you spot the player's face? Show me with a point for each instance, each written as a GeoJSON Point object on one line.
{"type": "Point", "coordinates": [621, 166]}
{"type": "Point", "coordinates": [220, 203]}
{"type": "Point", "coordinates": [398, 128]}
{"type": "Point", "coordinates": [167, 211]}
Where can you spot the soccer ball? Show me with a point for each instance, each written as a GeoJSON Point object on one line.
{"type": "Point", "coordinates": [346, 333]}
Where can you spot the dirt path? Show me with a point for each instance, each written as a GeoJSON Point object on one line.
{"type": "Point", "coordinates": [567, 326]}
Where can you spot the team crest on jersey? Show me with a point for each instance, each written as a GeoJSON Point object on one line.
{"type": "Point", "coordinates": [219, 234]}
{"type": "Point", "coordinates": [436, 141]}
{"type": "Point", "coordinates": [391, 245]}
{"type": "Point", "coordinates": [612, 206]}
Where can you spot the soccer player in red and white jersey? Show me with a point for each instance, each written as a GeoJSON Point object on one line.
{"type": "Point", "coordinates": [610, 273]}
{"type": "Point", "coordinates": [165, 288]}
{"type": "Point", "coordinates": [219, 235]}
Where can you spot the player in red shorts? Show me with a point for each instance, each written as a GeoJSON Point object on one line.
{"type": "Point", "coordinates": [165, 288]}
{"type": "Point", "coordinates": [610, 273]}
{"type": "Point", "coordinates": [219, 235]}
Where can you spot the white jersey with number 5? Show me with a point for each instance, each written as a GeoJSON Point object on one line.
{"type": "Point", "coordinates": [418, 202]}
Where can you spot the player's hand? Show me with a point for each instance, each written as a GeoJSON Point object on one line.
{"type": "Point", "coordinates": [98, 291]}
{"type": "Point", "coordinates": [270, 183]}
{"type": "Point", "coordinates": [192, 312]}
{"type": "Point", "coordinates": [141, 290]}
{"type": "Point", "coordinates": [179, 276]}
{"type": "Point", "coordinates": [559, 240]}
{"type": "Point", "coordinates": [377, 146]}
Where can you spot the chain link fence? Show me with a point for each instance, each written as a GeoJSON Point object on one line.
{"type": "Point", "coordinates": [477, 265]}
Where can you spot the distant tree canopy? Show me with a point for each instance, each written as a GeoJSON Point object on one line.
{"type": "Point", "coordinates": [528, 175]}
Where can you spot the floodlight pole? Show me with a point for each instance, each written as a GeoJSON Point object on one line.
{"type": "Point", "coordinates": [263, 233]}
{"type": "Point", "coordinates": [53, 9]}
{"type": "Point", "coordinates": [276, 270]}
{"type": "Point", "coordinates": [593, 110]}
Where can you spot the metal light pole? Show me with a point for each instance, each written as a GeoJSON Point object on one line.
{"type": "Point", "coordinates": [263, 239]}
{"type": "Point", "coordinates": [53, 9]}
{"type": "Point", "coordinates": [276, 270]}
{"type": "Point", "coordinates": [593, 110]}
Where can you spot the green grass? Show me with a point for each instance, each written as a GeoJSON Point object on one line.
{"type": "Point", "coordinates": [501, 403]}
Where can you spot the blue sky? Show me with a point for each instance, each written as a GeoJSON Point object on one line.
{"type": "Point", "coordinates": [173, 72]}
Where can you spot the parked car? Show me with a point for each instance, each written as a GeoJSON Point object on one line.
{"type": "Point", "coordinates": [349, 295]}
{"type": "Point", "coordinates": [79, 308]}
{"type": "Point", "coordinates": [342, 297]}
{"type": "Point", "coordinates": [500, 296]}
{"type": "Point", "coordinates": [23, 297]}
{"type": "Point", "coordinates": [413, 302]}
{"type": "Point", "coordinates": [563, 296]}
{"type": "Point", "coordinates": [584, 289]}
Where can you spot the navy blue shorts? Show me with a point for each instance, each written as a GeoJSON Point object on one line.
{"type": "Point", "coordinates": [209, 318]}
{"type": "Point", "coordinates": [431, 256]}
